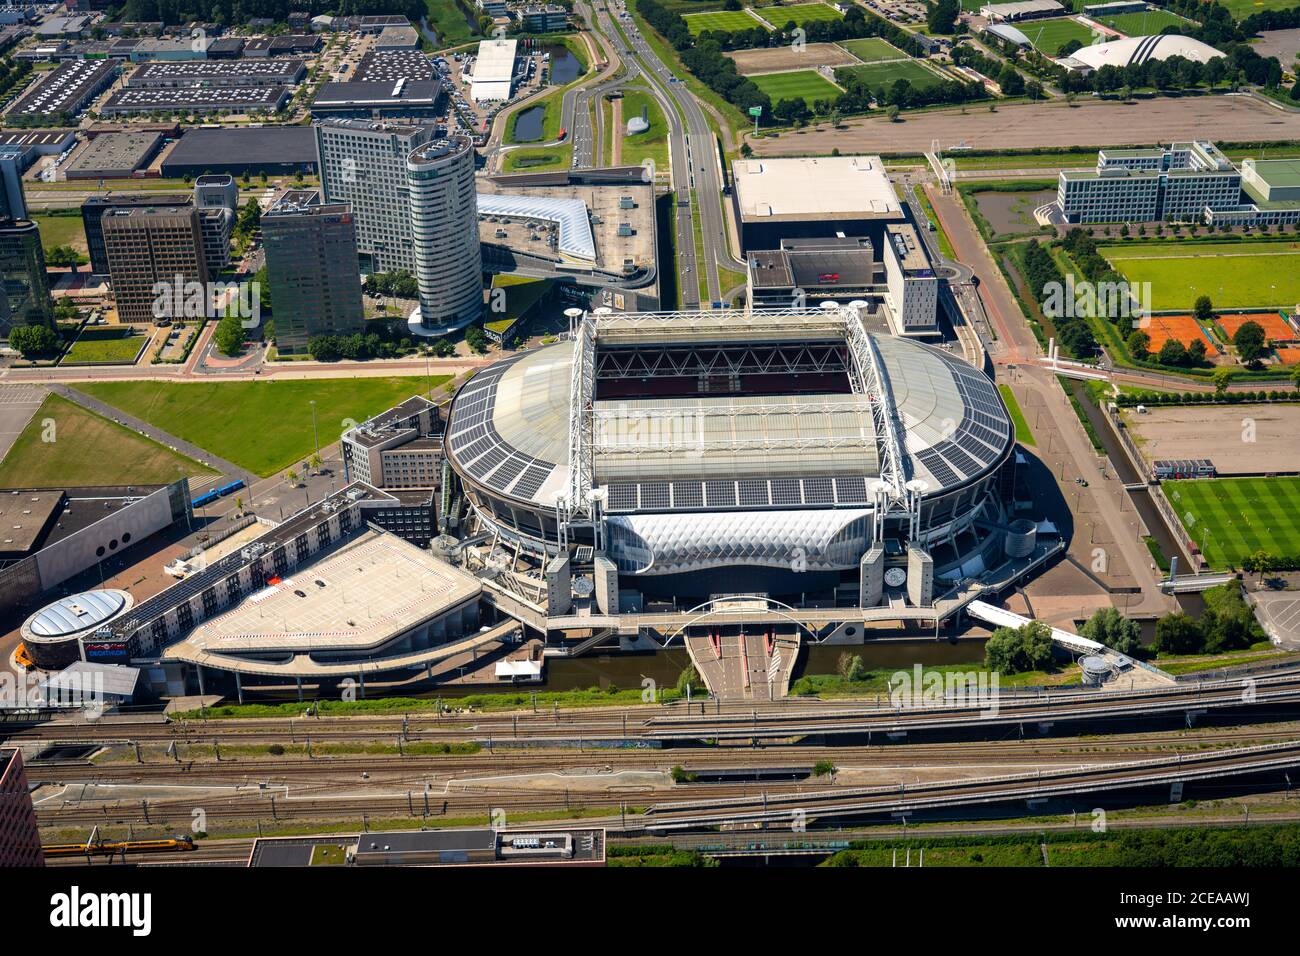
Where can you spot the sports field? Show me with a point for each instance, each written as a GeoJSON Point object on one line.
{"type": "Point", "coordinates": [262, 426]}
{"type": "Point", "coordinates": [1234, 275]}
{"type": "Point", "coordinates": [81, 449]}
{"type": "Point", "coordinates": [1276, 328]}
{"type": "Point", "coordinates": [873, 50]}
{"type": "Point", "coordinates": [808, 85]}
{"type": "Point", "coordinates": [1161, 328]}
{"type": "Point", "coordinates": [1144, 24]}
{"type": "Point", "coordinates": [1050, 35]}
{"type": "Point", "coordinates": [887, 74]}
{"type": "Point", "coordinates": [800, 13]}
{"type": "Point", "coordinates": [1240, 9]}
{"type": "Point", "coordinates": [1230, 518]}
{"type": "Point", "coordinates": [728, 21]}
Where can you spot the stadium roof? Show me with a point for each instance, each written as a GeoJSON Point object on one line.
{"type": "Point", "coordinates": [1138, 50]}
{"type": "Point", "coordinates": [575, 239]}
{"type": "Point", "coordinates": [508, 428]}
{"type": "Point", "coordinates": [817, 188]}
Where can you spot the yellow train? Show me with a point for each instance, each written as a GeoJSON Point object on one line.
{"type": "Point", "coordinates": [180, 843]}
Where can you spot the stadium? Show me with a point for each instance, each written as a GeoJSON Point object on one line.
{"type": "Point", "coordinates": [783, 452]}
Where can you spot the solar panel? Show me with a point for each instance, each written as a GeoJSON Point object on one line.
{"type": "Point", "coordinates": [532, 479]}
{"type": "Point", "coordinates": [850, 490]}
{"type": "Point", "coordinates": [720, 494]}
{"type": "Point", "coordinates": [655, 495]}
{"type": "Point", "coordinates": [786, 491]}
{"type": "Point", "coordinates": [938, 467]}
{"type": "Point", "coordinates": [622, 497]}
{"type": "Point", "coordinates": [818, 491]}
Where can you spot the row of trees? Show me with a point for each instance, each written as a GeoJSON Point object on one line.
{"type": "Point", "coordinates": [1042, 276]}
{"type": "Point", "coordinates": [1227, 624]}
{"type": "Point", "coordinates": [237, 12]}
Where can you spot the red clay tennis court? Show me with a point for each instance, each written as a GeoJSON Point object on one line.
{"type": "Point", "coordinates": [1276, 328]}
{"type": "Point", "coordinates": [1289, 356]}
{"type": "Point", "coordinates": [1162, 328]}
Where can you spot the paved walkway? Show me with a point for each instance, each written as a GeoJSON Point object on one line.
{"type": "Point", "coordinates": [18, 403]}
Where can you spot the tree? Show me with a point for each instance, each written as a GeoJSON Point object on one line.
{"type": "Point", "coordinates": [1249, 342]}
{"type": "Point", "coordinates": [1016, 650]}
{"type": "Point", "coordinates": [476, 339]}
{"type": "Point", "coordinates": [851, 667]}
{"type": "Point", "coordinates": [1172, 352]}
{"type": "Point", "coordinates": [1107, 626]}
{"type": "Point", "coordinates": [1228, 622]}
{"type": "Point", "coordinates": [1139, 343]}
{"type": "Point", "coordinates": [1196, 352]}
{"type": "Point", "coordinates": [1222, 378]}
{"type": "Point", "coordinates": [229, 336]}
{"type": "Point", "coordinates": [941, 17]}
{"type": "Point", "coordinates": [1178, 634]}
{"type": "Point", "coordinates": [291, 476]}
{"type": "Point", "coordinates": [1203, 309]}
{"type": "Point", "coordinates": [33, 341]}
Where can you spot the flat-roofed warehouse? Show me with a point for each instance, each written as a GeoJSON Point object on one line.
{"type": "Point", "coordinates": [400, 99]}
{"type": "Point", "coordinates": [114, 155]}
{"type": "Point", "coordinates": [494, 70]}
{"type": "Point", "coordinates": [248, 71]}
{"type": "Point", "coordinates": [274, 150]}
{"type": "Point", "coordinates": [389, 66]}
{"type": "Point", "coordinates": [67, 90]}
{"type": "Point", "coordinates": [237, 99]}
{"type": "Point", "coordinates": [1022, 10]}
{"type": "Point", "coordinates": [819, 197]}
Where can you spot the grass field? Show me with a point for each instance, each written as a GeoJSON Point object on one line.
{"type": "Point", "coordinates": [87, 450]}
{"type": "Point", "coordinates": [1144, 24]}
{"type": "Point", "coordinates": [653, 143]}
{"type": "Point", "coordinates": [800, 13]}
{"type": "Point", "coordinates": [448, 22]}
{"type": "Point", "coordinates": [1023, 434]}
{"type": "Point", "coordinates": [262, 426]}
{"type": "Point", "coordinates": [537, 160]}
{"type": "Point", "coordinates": [108, 345]}
{"type": "Point", "coordinates": [808, 85]}
{"type": "Point", "coordinates": [873, 49]}
{"type": "Point", "coordinates": [1240, 9]}
{"type": "Point", "coordinates": [1230, 518]}
{"type": "Point", "coordinates": [1048, 36]}
{"type": "Point", "coordinates": [61, 231]}
{"type": "Point", "coordinates": [729, 21]}
{"type": "Point", "coordinates": [1234, 275]}
{"type": "Point", "coordinates": [887, 74]}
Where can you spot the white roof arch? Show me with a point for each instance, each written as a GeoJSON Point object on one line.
{"type": "Point", "coordinates": [575, 240]}
{"type": "Point", "coordinates": [1136, 50]}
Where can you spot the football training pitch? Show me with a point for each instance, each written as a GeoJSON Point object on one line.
{"type": "Point", "coordinates": [800, 13]}
{"type": "Point", "coordinates": [808, 85]}
{"type": "Point", "coordinates": [728, 21]}
{"type": "Point", "coordinates": [1235, 275]}
{"type": "Point", "coordinates": [873, 50]}
{"type": "Point", "coordinates": [887, 74]}
{"type": "Point", "coordinates": [1144, 24]}
{"type": "Point", "coordinates": [1230, 518]}
{"type": "Point", "coordinates": [1050, 35]}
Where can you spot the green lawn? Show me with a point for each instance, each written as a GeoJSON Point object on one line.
{"type": "Point", "coordinates": [653, 143]}
{"type": "Point", "coordinates": [544, 160]}
{"type": "Point", "coordinates": [808, 85]}
{"type": "Point", "coordinates": [800, 13]}
{"type": "Point", "coordinates": [61, 231]}
{"type": "Point", "coordinates": [1050, 35]}
{"type": "Point", "coordinates": [1234, 275]}
{"type": "Point", "coordinates": [887, 74]}
{"type": "Point", "coordinates": [86, 450]}
{"type": "Point", "coordinates": [1230, 518]}
{"type": "Point", "coordinates": [1144, 24]}
{"type": "Point", "coordinates": [261, 426]}
{"type": "Point", "coordinates": [1240, 9]}
{"type": "Point", "coordinates": [873, 49]}
{"type": "Point", "coordinates": [108, 345]}
{"type": "Point", "coordinates": [1023, 434]}
{"type": "Point", "coordinates": [449, 22]}
{"type": "Point", "coordinates": [728, 21]}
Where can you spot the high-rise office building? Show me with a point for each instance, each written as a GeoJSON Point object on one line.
{"type": "Point", "coordinates": [24, 286]}
{"type": "Point", "coordinates": [150, 249]}
{"type": "Point", "coordinates": [12, 203]}
{"type": "Point", "coordinates": [216, 198]}
{"type": "Point", "coordinates": [444, 225]}
{"type": "Point", "coordinates": [312, 269]}
{"type": "Point", "coordinates": [363, 163]}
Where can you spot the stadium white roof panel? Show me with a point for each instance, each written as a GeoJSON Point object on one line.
{"type": "Point", "coordinates": [575, 239]}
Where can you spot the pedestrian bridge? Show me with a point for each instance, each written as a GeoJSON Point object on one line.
{"type": "Point", "coordinates": [1001, 617]}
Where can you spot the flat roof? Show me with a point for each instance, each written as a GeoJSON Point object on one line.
{"type": "Point", "coordinates": [147, 99]}
{"type": "Point", "coordinates": [387, 66]}
{"type": "Point", "coordinates": [63, 89]}
{"type": "Point", "coordinates": [23, 516]}
{"type": "Point", "coordinates": [815, 188]}
{"type": "Point", "coordinates": [123, 152]}
{"type": "Point", "coordinates": [495, 62]}
{"type": "Point", "coordinates": [372, 589]}
{"type": "Point", "coordinates": [253, 145]}
{"type": "Point", "coordinates": [376, 93]}
{"type": "Point", "coordinates": [1279, 173]}
{"type": "Point", "coordinates": [255, 66]}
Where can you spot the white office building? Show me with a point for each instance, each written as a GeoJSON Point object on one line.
{"type": "Point", "coordinates": [444, 228]}
{"type": "Point", "coordinates": [1185, 181]}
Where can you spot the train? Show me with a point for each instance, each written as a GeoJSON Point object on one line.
{"type": "Point", "coordinates": [210, 496]}
{"type": "Point", "coordinates": [175, 844]}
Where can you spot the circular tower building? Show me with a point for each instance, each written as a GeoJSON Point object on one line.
{"type": "Point", "coordinates": [444, 227]}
